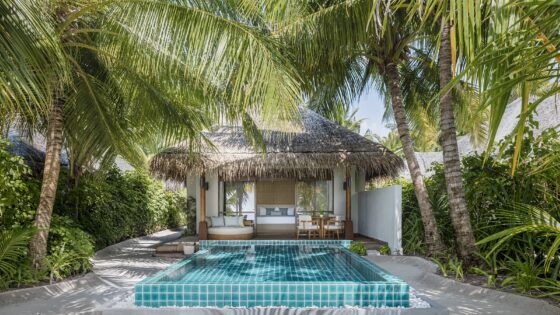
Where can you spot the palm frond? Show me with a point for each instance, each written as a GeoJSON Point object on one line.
{"type": "Point", "coordinates": [13, 245]}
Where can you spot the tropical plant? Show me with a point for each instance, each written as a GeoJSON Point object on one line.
{"type": "Point", "coordinates": [110, 83]}
{"type": "Point", "coordinates": [443, 267]}
{"type": "Point", "coordinates": [343, 49]}
{"type": "Point", "coordinates": [18, 191]}
{"type": "Point", "coordinates": [358, 248]}
{"type": "Point", "coordinates": [341, 114]}
{"type": "Point", "coordinates": [385, 250]}
{"type": "Point", "coordinates": [391, 141]}
{"type": "Point", "coordinates": [112, 206]}
{"type": "Point", "coordinates": [13, 246]}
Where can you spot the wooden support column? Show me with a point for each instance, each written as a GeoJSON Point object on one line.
{"type": "Point", "coordinates": [202, 225]}
{"type": "Point", "coordinates": [348, 225]}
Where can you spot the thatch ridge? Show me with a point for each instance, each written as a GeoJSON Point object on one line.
{"type": "Point", "coordinates": [312, 152]}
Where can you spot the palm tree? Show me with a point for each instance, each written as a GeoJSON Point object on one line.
{"type": "Point", "coordinates": [501, 47]}
{"type": "Point", "coordinates": [110, 83]}
{"type": "Point", "coordinates": [343, 49]}
{"type": "Point", "coordinates": [460, 216]}
{"type": "Point", "coordinates": [341, 115]}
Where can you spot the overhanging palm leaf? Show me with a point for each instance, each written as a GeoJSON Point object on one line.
{"type": "Point", "coordinates": [29, 59]}
{"type": "Point", "coordinates": [13, 244]}
{"type": "Point", "coordinates": [525, 218]}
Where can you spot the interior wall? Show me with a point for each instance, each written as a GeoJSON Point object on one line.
{"type": "Point", "coordinates": [276, 192]}
{"type": "Point", "coordinates": [380, 215]}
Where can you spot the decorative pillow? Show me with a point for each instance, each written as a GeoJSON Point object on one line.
{"type": "Point", "coordinates": [240, 220]}
{"type": "Point", "coordinates": [263, 211]}
{"type": "Point", "coordinates": [284, 211]}
{"type": "Point", "coordinates": [290, 211]}
{"type": "Point", "coordinates": [231, 221]}
{"type": "Point", "coordinates": [269, 211]}
{"type": "Point", "coordinates": [209, 221]}
{"type": "Point", "coordinates": [217, 221]}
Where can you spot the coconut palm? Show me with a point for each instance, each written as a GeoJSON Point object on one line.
{"type": "Point", "coordinates": [109, 75]}
{"type": "Point", "coordinates": [449, 21]}
{"type": "Point", "coordinates": [501, 47]}
{"type": "Point", "coordinates": [342, 49]}
{"type": "Point", "coordinates": [341, 115]}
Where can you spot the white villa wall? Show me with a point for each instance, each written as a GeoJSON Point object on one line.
{"type": "Point", "coordinates": [339, 195]}
{"type": "Point", "coordinates": [380, 215]}
{"type": "Point", "coordinates": [358, 185]}
{"type": "Point", "coordinates": [212, 195]}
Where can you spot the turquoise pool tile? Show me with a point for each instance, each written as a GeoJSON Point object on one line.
{"type": "Point", "coordinates": [255, 274]}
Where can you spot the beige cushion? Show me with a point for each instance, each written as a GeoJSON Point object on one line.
{"type": "Point", "coordinates": [227, 230]}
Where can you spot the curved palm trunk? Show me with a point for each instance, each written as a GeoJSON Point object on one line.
{"type": "Point", "coordinates": [431, 234]}
{"type": "Point", "coordinates": [38, 246]}
{"type": "Point", "coordinates": [451, 159]}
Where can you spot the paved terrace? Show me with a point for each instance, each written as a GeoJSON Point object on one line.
{"type": "Point", "coordinates": [109, 288]}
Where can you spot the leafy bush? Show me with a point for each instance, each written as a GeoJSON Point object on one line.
{"type": "Point", "coordinates": [18, 191]}
{"type": "Point", "coordinates": [13, 247]}
{"type": "Point", "coordinates": [191, 216]}
{"type": "Point", "coordinates": [69, 249]}
{"type": "Point", "coordinates": [385, 250]}
{"type": "Point", "coordinates": [514, 217]}
{"type": "Point", "coordinates": [358, 248]}
{"type": "Point", "coordinates": [177, 214]}
{"type": "Point", "coordinates": [112, 206]}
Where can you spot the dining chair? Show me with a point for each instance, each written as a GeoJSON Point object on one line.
{"type": "Point", "coordinates": [306, 225]}
{"type": "Point", "coordinates": [334, 226]}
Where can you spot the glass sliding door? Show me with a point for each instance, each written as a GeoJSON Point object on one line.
{"type": "Point", "coordinates": [314, 197]}
{"type": "Point", "coordinates": [239, 199]}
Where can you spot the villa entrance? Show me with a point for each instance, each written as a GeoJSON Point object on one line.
{"type": "Point", "coordinates": [274, 204]}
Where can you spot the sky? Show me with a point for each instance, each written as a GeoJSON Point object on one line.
{"type": "Point", "coordinates": [370, 107]}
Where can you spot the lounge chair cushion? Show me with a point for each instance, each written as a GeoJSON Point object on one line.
{"type": "Point", "coordinates": [233, 221]}
{"type": "Point", "coordinates": [217, 221]}
{"type": "Point", "coordinates": [226, 230]}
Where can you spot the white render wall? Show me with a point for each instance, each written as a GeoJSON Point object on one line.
{"type": "Point", "coordinates": [357, 182]}
{"type": "Point", "coordinates": [339, 195]}
{"type": "Point", "coordinates": [380, 215]}
{"type": "Point", "coordinates": [212, 195]}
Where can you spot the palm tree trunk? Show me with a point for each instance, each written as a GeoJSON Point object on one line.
{"type": "Point", "coordinates": [38, 247]}
{"type": "Point", "coordinates": [451, 159]}
{"type": "Point", "coordinates": [431, 234]}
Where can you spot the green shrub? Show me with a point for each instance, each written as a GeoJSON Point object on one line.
{"type": "Point", "coordinates": [499, 202]}
{"type": "Point", "coordinates": [177, 214]}
{"type": "Point", "coordinates": [385, 250]}
{"type": "Point", "coordinates": [69, 249]}
{"type": "Point", "coordinates": [18, 191]}
{"type": "Point", "coordinates": [358, 248]}
{"type": "Point", "coordinates": [191, 216]}
{"type": "Point", "coordinates": [112, 206]}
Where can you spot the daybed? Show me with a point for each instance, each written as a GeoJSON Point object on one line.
{"type": "Point", "coordinates": [229, 228]}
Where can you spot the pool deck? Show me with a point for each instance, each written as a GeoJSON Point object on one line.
{"type": "Point", "coordinates": [109, 288]}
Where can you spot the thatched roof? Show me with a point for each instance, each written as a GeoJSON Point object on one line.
{"type": "Point", "coordinates": [312, 152]}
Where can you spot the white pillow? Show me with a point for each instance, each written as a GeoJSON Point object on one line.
{"type": "Point", "coordinates": [217, 221]}
{"type": "Point", "coordinates": [241, 219]}
{"type": "Point", "coordinates": [231, 221]}
{"type": "Point", "coordinates": [263, 211]}
{"type": "Point", "coordinates": [290, 211]}
{"type": "Point", "coordinates": [209, 221]}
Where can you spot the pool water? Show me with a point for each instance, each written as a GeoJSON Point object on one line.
{"type": "Point", "coordinates": [273, 273]}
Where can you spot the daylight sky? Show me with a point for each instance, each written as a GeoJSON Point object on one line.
{"type": "Point", "coordinates": [370, 107]}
